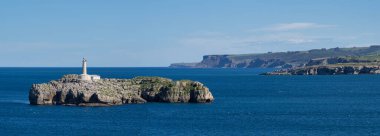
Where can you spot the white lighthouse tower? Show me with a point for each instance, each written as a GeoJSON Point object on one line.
{"type": "Point", "coordinates": [84, 66]}
{"type": "Point", "coordinates": [84, 75]}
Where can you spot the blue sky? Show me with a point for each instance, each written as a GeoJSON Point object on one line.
{"type": "Point", "coordinates": [146, 33]}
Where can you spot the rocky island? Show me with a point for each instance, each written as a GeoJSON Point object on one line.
{"type": "Point", "coordinates": [70, 90]}
{"type": "Point", "coordinates": [91, 90]}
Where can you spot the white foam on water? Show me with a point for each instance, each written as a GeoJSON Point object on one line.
{"type": "Point", "coordinates": [15, 101]}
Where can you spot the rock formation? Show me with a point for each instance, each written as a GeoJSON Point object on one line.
{"type": "Point", "coordinates": [328, 70]}
{"type": "Point", "coordinates": [70, 90]}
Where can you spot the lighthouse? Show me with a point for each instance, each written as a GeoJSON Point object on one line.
{"type": "Point", "coordinates": [84, 75]}
{"type": "Point", "coordinates": [84, 66]}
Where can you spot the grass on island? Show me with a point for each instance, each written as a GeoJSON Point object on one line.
{"type": "Point", "coordinates": [370, 64]}
{"type": "Point", "coordinates": [372, 57]}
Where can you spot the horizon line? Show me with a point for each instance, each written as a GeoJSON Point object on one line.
{"type": "Point", "coordinates": [75, 67]}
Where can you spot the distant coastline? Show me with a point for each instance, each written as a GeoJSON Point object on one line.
{"type": "Point", "coordinates": [334, 61]}
{"type": "Point", "coordinates": [290, 59]}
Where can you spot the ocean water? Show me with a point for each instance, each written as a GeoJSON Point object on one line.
{"type": "Point", "coordinates": [245, 104]}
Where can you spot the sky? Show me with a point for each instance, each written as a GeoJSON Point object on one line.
{"type": "Point", "coordinates": [156, 33]}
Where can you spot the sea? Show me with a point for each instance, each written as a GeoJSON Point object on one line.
{"type": "Point", "coordinates": [246, 103]}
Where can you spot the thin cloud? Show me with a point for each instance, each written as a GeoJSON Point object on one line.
{"type": "Point", "coordinates": [296, 26]}
{"type": "Point", "coordinates": [229, 44]}
{"type": "Point", "coordinates": [277, 37]}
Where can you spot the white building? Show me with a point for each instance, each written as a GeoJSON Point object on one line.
{"type": "Point", "coordinates": [85, 76]}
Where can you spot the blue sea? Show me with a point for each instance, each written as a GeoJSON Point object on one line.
{"type": "Point", "coordinates": [245, 104]}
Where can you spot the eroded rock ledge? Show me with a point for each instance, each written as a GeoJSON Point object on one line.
{"type": "Point", "coordinates": [69, 90]}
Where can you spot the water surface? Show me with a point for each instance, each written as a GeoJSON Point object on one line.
{"type": "Point", "coordinates": [245, 104]}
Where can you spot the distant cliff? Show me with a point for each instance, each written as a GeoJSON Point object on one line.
{"type": "Point", "coordinates": [277, 60]}
{"type": "Point", "coordinates": [69, 90]}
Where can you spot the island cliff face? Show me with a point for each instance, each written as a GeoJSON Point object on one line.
{"type": "Point", "coordinates": [69, 90]}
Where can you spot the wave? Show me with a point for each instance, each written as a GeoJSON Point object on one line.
{"type": "Point", "coordinates": [15, 101]}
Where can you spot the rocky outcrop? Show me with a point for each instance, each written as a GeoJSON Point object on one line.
{"type": "Point", "coordinates": [69, 90]}
{"type": "Point", "coordinates": [328, 70]}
